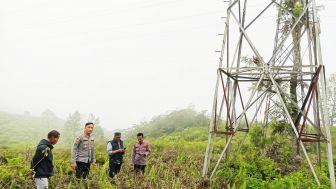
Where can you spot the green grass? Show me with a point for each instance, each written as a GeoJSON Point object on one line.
{"type": "Point", "coordinates": [176, 160]}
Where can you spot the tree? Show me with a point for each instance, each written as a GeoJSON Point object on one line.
{"type": "Point", "coordinates": [331, 94]}
{"type": "Point", "coordinates": [174, 121]}
{"type": "Point", "coordinates": [49, 120]}
{"type": "Point", "coordinates": [290, 12]}
{"type": "Point", "coordinates": [98, 130]}
{"type": "Point", "coordinates": [48, 115]}
{"type": "Point", "coordinates": [72, 126]}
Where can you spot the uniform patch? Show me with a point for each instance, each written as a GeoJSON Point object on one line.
{"type": "Point", "coordinates": [77, 139]}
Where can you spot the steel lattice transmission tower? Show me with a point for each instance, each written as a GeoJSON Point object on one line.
{"type": "Point", "coordinates": [295, 67]}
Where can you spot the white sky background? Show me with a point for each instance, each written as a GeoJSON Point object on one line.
{"type": "Point", "coordinates": [124, 61]}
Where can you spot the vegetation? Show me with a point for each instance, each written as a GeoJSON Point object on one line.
{"type": "Point", "coordinates": [26, 128]}
{"type": "Point", "coordinates": [331, 94]}
{"type": "Point", "coordinates": [173, 122]}
{"type": "Point", "coordinates": [176, 159]}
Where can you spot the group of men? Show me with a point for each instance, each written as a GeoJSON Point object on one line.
{"type": "Point", "coordinates": [83, 155]}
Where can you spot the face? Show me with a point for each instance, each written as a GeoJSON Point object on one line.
{"type": "Point", "coordinates": [53, 140]}
{"type": "Point", "coordinates": [140, 138]}
{"type": "Point", "coordinates": [88, 129]}
{"type": "Point", "coordinates": [117, 138]}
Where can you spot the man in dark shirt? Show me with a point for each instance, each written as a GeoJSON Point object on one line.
{"type": "Point", "coordinates": [115, 149]}
{"type": "Point", "coordinates": [42, 162]}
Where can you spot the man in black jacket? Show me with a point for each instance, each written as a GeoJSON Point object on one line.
{"type": "Point", "coordinates": [42, 162]}
{"type": "Point", "coordinates": [115, 149]}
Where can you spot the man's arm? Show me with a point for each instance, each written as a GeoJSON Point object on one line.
{"type": "Point", "coordinates": [109, 148]}
{"type": "Point", "coordinates": [148, 150]}
{"type": "Point", "coordinates": [110, 151]}
{"type": "Point", "coordinates": [39, 155]}
{"type": "Point", "coordinates": [93, 151]}
{"type": "Point", "coordinates": [133, 154]}
{"type": "Point", "coordinates": [118, 151]}
{"type": "Point", "coordinates": [74, 152]}
{"type": "Point", "coordinates": [93, 156]}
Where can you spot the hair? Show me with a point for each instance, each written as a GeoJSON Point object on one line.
{"type": "Point", "coordinates": [88, 123]}
{"type": "Point", "coordinates": [140, 134]}
{"type": "Point", "coordinates": [54, 134]}
{"type": "Point", "coordinates": [117, 134]}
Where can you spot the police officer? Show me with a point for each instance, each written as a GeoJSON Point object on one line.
{"type": "Point", "coordinates": [83, 152]}
{"type": "Point", "coordinates": [141, 150]}
{"type": "Point", "coordinates": [115, 149]}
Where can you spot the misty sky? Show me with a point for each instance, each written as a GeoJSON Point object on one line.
{"type": "Point", "coordinates": [124, 61]}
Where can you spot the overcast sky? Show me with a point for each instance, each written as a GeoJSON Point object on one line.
{"type": "Point", "coordinates": [124, 61]}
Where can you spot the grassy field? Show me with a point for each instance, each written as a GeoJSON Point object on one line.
{"type": "Point", "coordinates": [171, 165]}
{"type": "Point", "coordinates": [176, 160]}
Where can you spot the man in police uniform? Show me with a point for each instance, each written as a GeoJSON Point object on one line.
{"type": "Point", "coordinates": [141, 150]}
{"type": "Point", "coordinates": [115, 149]}
{"type": "Point", "coordinates": [83, 152]}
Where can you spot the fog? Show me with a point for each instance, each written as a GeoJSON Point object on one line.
{"type": "Point", "coordinates": [124, 61]}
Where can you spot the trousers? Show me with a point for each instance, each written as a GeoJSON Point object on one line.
{"type": "Point", "coordinates": [41, 183]}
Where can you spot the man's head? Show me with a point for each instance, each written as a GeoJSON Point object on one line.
{"type": "Point", "coordinates": [53, 136]}
{"type": "Point", "coordinates": [117, 136]}
{"type": "Point", "coordinates": [88, 128]}
{"type": "Point", "coordinates": [140, 137]}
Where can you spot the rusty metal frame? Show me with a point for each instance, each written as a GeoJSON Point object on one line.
{"type": "Point", "coordinates": [270, 72]}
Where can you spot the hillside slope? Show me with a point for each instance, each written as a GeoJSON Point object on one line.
{"type": "Point", "coordinates": [26, 128]}
{"type": "Point", "coordinates": [173, 122]}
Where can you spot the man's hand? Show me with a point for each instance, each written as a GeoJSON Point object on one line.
{"type": "Point", "coordinates": [120, 150]}
{"type": "Point", "coordinates": [73, 166]}
{"type": "Point", "coordinates": [93, 164]}
{"type": "Point", "coordinates": [30, 173]}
